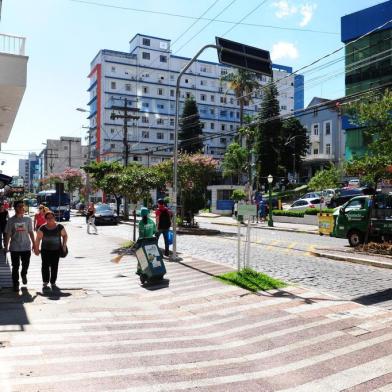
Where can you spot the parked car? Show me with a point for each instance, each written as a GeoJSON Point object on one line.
{"type": "Point", "coordinates": [310, 195]}
{"type": "Point", "coordinates": [327, 194]}
{"type": "Point", "coordinates": [343, 195]}
{"type": "Point", "coordinates": [105, 215]}
{"type": "Point", "coordinates": [303, 204]}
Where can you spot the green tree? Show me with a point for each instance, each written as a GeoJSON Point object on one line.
{"type": "Point", "coordinates": [195, 172]}
{"type": "Point", "coordinates": [190, 134]}
{"type": "Point", "coordinates": [326, 178]}
{"type": "Point", "coordinates": [268, 139]}
{"type": "Point", "coordinates": [374, 112]}
{"type": "Point", "coordinates": [238, 195]}
{"type": "Point", "coordinates": [243, 83]}
{"type": "Point", "coordinates": [295, 142]}
{"type": "Point", "coordinates": [370, 168]}
{"type": "Point", "coordinates": [235, 161]}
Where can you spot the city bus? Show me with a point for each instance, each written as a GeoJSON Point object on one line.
{"type": "Point", "coordinates": [58, 202]}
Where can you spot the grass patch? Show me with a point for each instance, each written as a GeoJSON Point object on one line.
{"type": "Point", "coordinates": [251, 280]}
{"type": "Point", "coordinates": [127, 244]}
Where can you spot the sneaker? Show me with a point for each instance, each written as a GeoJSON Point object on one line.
{"type": "Point", "coordinates": [24, 279]}
{"type": "Point", "coordinates": [54, 286]}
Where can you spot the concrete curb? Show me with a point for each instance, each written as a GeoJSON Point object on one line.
{"type": "Point", "coordinates": [271, 228]}
{"type": "Point", "coordinates": [355, 260]}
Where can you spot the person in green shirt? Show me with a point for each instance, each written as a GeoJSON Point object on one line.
{"type": "Point", "coordinates": [147, 227]}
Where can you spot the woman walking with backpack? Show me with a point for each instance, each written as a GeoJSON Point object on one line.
{"type": "Point", "coordinates": [163, 218]}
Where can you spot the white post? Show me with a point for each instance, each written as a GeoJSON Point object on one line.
{"type": "Point", "coordinates": [238, 246]}
{"type": "Point", "coordinates": [247, 244]}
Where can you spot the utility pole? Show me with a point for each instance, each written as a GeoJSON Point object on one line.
{"type": "Point", "coordinates": [125, 116]}
{"type": "Point", "coordinates": [69, 151]}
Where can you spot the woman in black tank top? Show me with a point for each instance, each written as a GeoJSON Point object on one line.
{"type": "Point", "coordinates": [53, 237]}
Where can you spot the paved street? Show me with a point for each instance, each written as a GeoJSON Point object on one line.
{"type": "Point", "coordinates": [104, 332]}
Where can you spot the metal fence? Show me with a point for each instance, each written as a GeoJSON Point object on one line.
{"type": "Point", "coordinates": [12, 44]}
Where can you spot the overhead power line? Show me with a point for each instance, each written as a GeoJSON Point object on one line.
{"type": "Point", "coordinates": [170, 14]}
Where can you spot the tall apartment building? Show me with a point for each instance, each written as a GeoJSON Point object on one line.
{"type": "Point", "coordinates": [146, 76]}
{"type": "Point", "coordinates": [368, 62]}
{"type": "Point", "coordinates": [29, 171]}
{"type": "Point", "coordinates": [58, 155]}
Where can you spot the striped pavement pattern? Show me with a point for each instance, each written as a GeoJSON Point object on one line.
{"type": "Point", "coordinates": [198, 334]}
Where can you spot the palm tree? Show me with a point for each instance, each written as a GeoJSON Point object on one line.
{"type": "Point", "coordinates": [243, 83]}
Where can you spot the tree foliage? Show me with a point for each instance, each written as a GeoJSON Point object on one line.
{"type": "Point", "coordinates": [268, 135]}
{"type": "Point", "coordinates": [190, 134]}
{"type": "Point", "coordinates": [370, 168]}
{"type": "Point", "coordinates": [374, 112]}
{"type": "Point", "coordinates": [235, 161]}
{"type": "Point", "coordinates": [243, 83]}
{"type": "Point", "coordinates": [238, 194]}
{"type": "Point", "coordinates": [73, 179]}
{"type": "Point", "coordinates": [295, 141]}
{"type": "Point", "coordinates": [195, 172]}
{"type": "Point", "coordinates": [326, 178]}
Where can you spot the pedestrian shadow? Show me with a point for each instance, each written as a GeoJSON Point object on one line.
{"type": "Point", "coordinates": [54, 294]}
{"type": "Point", "coordinates": [375, 298]}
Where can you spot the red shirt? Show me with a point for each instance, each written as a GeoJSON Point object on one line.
{"type": "Point", "coordinates": [39, 220]}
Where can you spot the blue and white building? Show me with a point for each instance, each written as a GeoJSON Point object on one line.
{"type": "Point", "coordinates": [146, 76]}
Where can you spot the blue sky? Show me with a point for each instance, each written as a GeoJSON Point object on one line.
{"type": "Point", "coordinates": [64, 35]}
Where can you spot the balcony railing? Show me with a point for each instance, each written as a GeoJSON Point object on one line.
{"type": "Point", "coordinates": [319, 157]}
{"type": "Point", "coordinates": [12, 44]}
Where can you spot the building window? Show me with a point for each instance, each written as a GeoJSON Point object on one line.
{"type": "Point", "coordinates": [145, 89]}
{"type": "Point", "coordinates": [160, 106]}
{"type": "Point", "coordinates": [172, 122]}
{"type": "Point", "coordinates": [145, 104]}
{"type": "Point", "coordinates": [146, 42]}
{"type": "Point", "coordinates": [212, 98]}
{"type": "Point", "coordinates": [145, 120]}
{"type": "Point", "coordinates": [223, 100]}
{"type": "Point", "coordinates": [223, 127]}
{"type": "Point", "coordinates": [223, 140]}
{"type": "Point", "coordinates": [186, 81]}
{"type": "Point", "coordinates": [112, 145]}
{"type": "Point", "coordinates": [220, 89]}
{"type": "Point", "coordinates": [163, 59]}
{"type": "Point", "coordinates": [315, 151]}
{"type": "Point", "coordinates": [203, 68]}
{"type": "Point", "coordinates": [223, 113]}
{"type": "Point", "coordinates": [212, 125]}
{"type": "Point", "coordinates": [283, 107]}
{"type": "Point", "coordinates": [160, 91]}
{"type": "Point", "coordinates": [113, 69]}
{"type": "Point", "coordinates": [127, 87]}
{"type": "Point", "coordinates": [172, 93]}
{"type": "Point", "coordinates": [171, 77]}
{"type": "Point", "coordinates": [146, 56]}
{"type": "Point", "coordinates": [202, 83]}
{"type": "Point", "coordinates": [145, 134]}
{"type": "Point", "coordinates": [212, 112]}
{"type": "Point", "coordinates": [231, 127]}
{"type": "Point", "coordinates": [327, 128]}
{"type": "Point", "coordinates": [113, 85]}
{"type": "Point", "coordinates": [160, 135]}
{"type": "Point", "coordinates": [135, 158]}
{"type": "Point", "coordinates": [203, 97]}
{"type": "Point", "coordinates": [187, 95]}
{"type": "Point", "coordinates": [223, 72]}
{"type": "Point", "coordinates": [328, 149]}
{"type": "Point", "coordinates": [315, 129]}
{"type": "Point", "coordinates": [171, 136]}
{"type": "Point", "coordinates": [231, 101]}
{"type": "Point", "coordinates": [111, 130]}
{"type": "Point", "coordinates": [231, 114]}
{"type": "Point", "coordinates": [160, 121]}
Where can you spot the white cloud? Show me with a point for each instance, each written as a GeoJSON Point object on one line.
{"type": "Point", "coordinates": [284, 50]}
{"type": "Point", "coordinates": [284, 9]}
{"type": "Point", "coordinates": [306, 10]}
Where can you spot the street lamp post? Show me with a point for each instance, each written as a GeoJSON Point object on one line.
{"type": "Point", "coordinates": [270, 221]}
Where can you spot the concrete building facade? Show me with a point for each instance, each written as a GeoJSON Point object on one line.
{"type": "Point", "coordinates": [29, 171]}
{"type": "Point", "coordinates": [146, 76]}
{"type": "Point", "coordinates": [58, 155]}
{"type": "Point", "coordinates": [327, 139]}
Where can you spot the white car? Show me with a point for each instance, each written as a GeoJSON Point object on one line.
{"type": "Point", "coordinates": [303, 204]}
{"type": "Point", "coordinates": [354, 183]}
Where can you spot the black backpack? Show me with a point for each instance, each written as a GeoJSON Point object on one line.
{"type": "Point", "coordinates": [164, 220]}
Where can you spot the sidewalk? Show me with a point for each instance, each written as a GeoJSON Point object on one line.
{"type": "Point", "coordinates": [280, 226]}
{"type": "Point", "coordinates": [107, 333]}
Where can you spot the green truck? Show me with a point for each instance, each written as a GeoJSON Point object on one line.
{"type": "Point", "coordinates": [364, 218]}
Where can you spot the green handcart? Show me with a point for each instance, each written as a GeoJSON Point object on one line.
{"type": "Point", "coordinates": [150, 266]}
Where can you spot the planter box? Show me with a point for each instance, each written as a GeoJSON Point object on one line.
{"type": "Point", "coordinates": [306, 220]}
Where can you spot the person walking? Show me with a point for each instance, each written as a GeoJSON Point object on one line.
{"type": "Point", "coordinates": [3, 222]}
{"type": "Point", "coordinates": [147, 227]}
{"type": "Point", "coordinates": [91, 218]}
{"type": "Point", "coordinates": [39, 217]}
{"type": "Point", "coordinates": [19, 240]}
{"type": "Point", "coordinates": [53, 237]}
{"type": "Point", "coordinates": [163, 217]}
